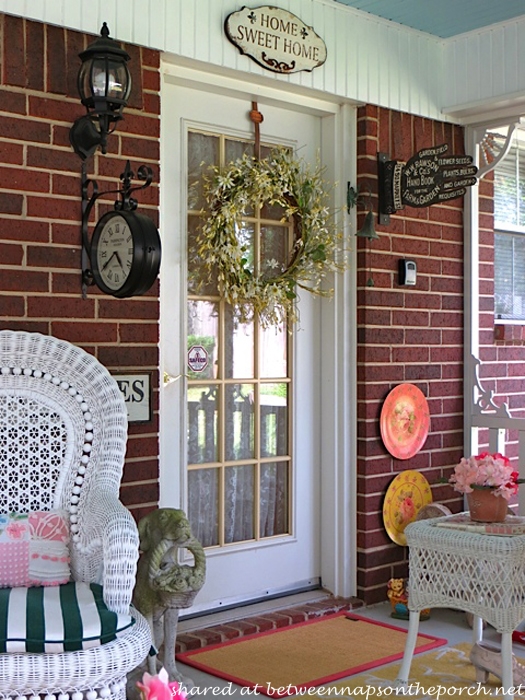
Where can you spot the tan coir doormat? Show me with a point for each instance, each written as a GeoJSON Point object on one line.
{"type": "Point", "coordinates": [279, 662]}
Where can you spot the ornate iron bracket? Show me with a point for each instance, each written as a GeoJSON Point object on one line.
{"type": "Point", "coordinates": [126, 203]}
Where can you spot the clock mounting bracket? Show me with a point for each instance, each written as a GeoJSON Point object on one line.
{"type": "Point", "coordinates": [90, 195]}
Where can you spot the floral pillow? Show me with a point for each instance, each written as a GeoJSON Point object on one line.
{"type": "Point", "coordinates": [34, 549]}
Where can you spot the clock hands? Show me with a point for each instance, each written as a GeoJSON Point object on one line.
{"type": "Point", "coordinates": [113, 255]}
{"type": "Point", "coordinates": [108, 261]}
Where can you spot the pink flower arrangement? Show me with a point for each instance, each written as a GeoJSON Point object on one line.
{"type": "Point", "coordinates": [159, 688]}
{"type": "Point", "coordinates": [486, 471]}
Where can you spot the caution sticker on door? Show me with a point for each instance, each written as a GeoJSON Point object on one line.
{"type": "Point", "coordinates": [197, 358]}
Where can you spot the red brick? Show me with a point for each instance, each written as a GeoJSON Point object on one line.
{"type": "Point", "coordinates": [48, 108]}
{"type": "Point", "coordinates": [11, 254]}
{"type": "Point", "coordinates": [150, 57]}
{"type": "Point", "coordinates": [140, 148]}
{"type": "Point", "coordinates": [131, 309]}
{"type": "Point", "coordinates": [85, 332]}
{"type": "Point", "coordinates": [56, 60]}
{"type": "Point", "coordinates": [142, 447]}
{"type": "Point", "coordinates": [24, 129]}
{"type": "Point", "coordinates": [147, 470]}
{"type": "Point", "coordinates": [53, 208]}
{"type": "Point", "coordinates": [151, 103]}
{"type": "Point", "coordinates": [35, 57]}
{"type": "Point", "coordinates": [139, 332]}
{"type": "Point", "coordinates": [23, 229]}
{"type": "Point", "coordinates": [11, 153]}
{"type": "Point", "coordinates": [53, 159]}
{"type": "Point", "coordinates": [43, 256]}
{"type": "Point", "coordinates": [11, 306]}
{"type": "Point", "coordinates": [13, 57]}
{"type": "Point", "coordinates": [12, 101]}
{"type": "Point", "coordinates": [151, 80]}
{"type": "Point", "coordinates": [143, 493]}
{"type": "Point", "coordinates": [140, 124]}
{"type": "Point", "coordinates": [75, 45]}
{"type": "Point", "coordinates": [59, 307]}
{"type": "Point", "coordinates": [135, 101]}
{"type": "Point", "coordinates": [26, 180]}
{"type": "Point", "coordinates": [10, 204]}
{"type": "Point", "coordinates": [24, 281]}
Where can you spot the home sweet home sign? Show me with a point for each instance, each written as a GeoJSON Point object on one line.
{"type": "Point", "coordinates": [275, 39]}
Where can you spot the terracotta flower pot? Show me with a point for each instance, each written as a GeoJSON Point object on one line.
{"type": "Point", "coordinates": [485, 507]}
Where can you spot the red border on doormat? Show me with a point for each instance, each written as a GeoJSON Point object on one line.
{"type": "Point", "coordinates": [188, 657]}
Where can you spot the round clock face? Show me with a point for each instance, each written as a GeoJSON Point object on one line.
{"type": "Point", "coordinates": [125, 253]}
{"type": "Point", "coordinates": [114, 253]}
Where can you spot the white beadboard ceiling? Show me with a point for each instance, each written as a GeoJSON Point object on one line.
{"type": "Point", "coordinates": [442, 18]}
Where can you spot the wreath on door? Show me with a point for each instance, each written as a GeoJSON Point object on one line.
{"type": "Point", "coordinates": [250, 183]}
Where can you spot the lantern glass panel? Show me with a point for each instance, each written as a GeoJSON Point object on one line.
{"type": "Point", "coordinates": [119, 81]}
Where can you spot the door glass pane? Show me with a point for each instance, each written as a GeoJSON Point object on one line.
{"type": "Point", "coordinates": [275, 250]}
{"type": "Point", "coordinates": [202, 339]}
{"type": "Point", "coordinates": [239, 485]}
{"type": "Point", "coordinates": [203, 151]}
{"type": "Point", "coordinates": [239, 422]}
{"type": "Point", "coordinates": [273, 519]}
{"type": "Point", "coordinates": [203, 443]}
{"type": "Point", "coordinates": [239, 346]}
{"type": "Point", "coordinates": [200, 281]}
{"type": "Point", "coordinates": [245, 232]}
{"type": "Point", "coordinates": [273, 352]}
{"type": "Point", "coordinates": [203, 505]}
{"type": "Point", "coordinates": [274, 420]}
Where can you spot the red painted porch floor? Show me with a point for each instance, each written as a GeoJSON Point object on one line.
{"type": "Point", "coordinates": [263, 621]}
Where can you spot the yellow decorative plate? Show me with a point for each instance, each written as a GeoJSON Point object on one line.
{"type": "Point", "coordinates": [404, 421]}
{"type": "Point", "coordinates": [405, 497]}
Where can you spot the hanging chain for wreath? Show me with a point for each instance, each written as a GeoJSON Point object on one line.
{"type": "Point", "coordinates": [268, 289]}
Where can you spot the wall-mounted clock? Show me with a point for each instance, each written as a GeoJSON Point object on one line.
{"type": "Point", "coordinates": [125, 253]}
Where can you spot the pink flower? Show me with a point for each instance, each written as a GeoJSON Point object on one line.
{"type": "Point", "coordinates": [16, 530]}
{"type": "Point", "coordinates": [159, 688]}
{"type": "Point", "coordinates": [486, 471]}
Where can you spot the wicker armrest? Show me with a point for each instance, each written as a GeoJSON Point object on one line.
{"type": "Point", "coordinates": [111, 524]}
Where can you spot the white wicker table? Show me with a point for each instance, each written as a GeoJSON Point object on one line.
{"type": "Point", "coordinates": [481, 574]}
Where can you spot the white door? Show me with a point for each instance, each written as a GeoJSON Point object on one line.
{"type": "Point", "coordinates": [240, 432]}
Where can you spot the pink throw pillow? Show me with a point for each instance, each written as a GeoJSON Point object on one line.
{"type": "Point", "coordinates": [34, 549]}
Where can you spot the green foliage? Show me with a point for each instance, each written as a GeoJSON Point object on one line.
{"type": "Point", "coordinates": [280, 180]}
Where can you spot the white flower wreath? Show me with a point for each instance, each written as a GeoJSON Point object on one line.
{"type": "Point", "coordinates": [248, 183]}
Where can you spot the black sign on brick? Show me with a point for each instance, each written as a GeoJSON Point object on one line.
{"type": "Point", "coordinates": [429, 177]}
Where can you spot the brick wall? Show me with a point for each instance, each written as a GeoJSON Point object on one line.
{"type": "Point", "coordinates": [406, 334]}
{"type": "Point", "coordinates": [40, 215]}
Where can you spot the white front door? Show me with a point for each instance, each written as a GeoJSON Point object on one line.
{"type": "Point", "coordinates": [240, 432]}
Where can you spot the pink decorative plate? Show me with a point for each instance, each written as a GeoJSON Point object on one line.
{"type": "Point", "coordinates": [405, 420]}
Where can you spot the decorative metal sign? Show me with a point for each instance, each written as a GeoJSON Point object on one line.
{"type": "Point", "coordinates": [275, 39]}
{"type": "Point", "coordinates": [429, 177]}
{"type": "Point", "coordinates": [136, 390]}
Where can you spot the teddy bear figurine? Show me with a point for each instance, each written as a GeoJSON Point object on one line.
{"type": "Point", "coordinates": [397, 593]}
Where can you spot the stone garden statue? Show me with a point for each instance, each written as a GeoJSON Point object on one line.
{"type": "Point", "coordinates": [163, 585]}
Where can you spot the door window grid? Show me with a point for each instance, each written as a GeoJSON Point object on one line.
{"type": "Point", "coordinates": [239, 421]}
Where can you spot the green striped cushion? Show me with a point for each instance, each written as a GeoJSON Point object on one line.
{"type": "Point", "coordinates": [54, 619]}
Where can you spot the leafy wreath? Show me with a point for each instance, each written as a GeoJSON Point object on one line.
{"type": "Point", "coordinates": [278, 179]}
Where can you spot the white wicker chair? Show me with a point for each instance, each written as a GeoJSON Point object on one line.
{"type": "Point", "coordinates": [60, 390]}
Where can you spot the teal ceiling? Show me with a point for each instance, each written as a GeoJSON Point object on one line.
{"type": "Point", "coordinates": [442, 18]}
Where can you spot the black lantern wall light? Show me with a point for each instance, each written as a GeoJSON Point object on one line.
{"type": "Point", "coordinates": [123, 256]}
{"type": "Point", "coordinates": [355, 197]}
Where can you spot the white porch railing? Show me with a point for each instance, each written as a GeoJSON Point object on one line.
{"type": "Point", "coordinates": [492, 426]}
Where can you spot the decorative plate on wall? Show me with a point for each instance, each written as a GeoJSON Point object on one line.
{"type": "Point", "coordinates": [408, 493]}
{"type": "Point", "coordinates": [405, 420]}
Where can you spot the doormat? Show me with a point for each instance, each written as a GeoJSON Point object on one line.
{"type": "Point", "coordinates": [444, 673]}
{"type": "Point", "coordinates": [280, 662]}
